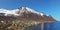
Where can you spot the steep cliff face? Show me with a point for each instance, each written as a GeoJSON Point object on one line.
{"type": "Point", "coordinates": [25, 14]}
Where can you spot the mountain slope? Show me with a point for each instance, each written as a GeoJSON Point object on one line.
{"type": "Point", "coordinates": [25, 14]}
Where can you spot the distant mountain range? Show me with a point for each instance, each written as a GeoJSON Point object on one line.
{"type": "Point", "coordinates": [23, 14]}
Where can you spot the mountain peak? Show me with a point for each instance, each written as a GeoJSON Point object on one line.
{"type": "Point", "coordinates": [31, 10]}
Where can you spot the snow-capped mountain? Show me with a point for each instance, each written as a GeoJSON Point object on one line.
{"type": "Point", "coordinates": [25, 13]}
{"type": "Point", "coordinates": [15, 11]}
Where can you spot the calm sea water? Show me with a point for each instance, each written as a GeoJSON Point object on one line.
{"type": "Point", "coordinates": [52, 26]}
{"type": "Point", "coordinates": [47, 26]}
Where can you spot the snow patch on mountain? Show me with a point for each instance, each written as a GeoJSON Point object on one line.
{"type": "Point", "coordinates": [3, 10]}
{"type": "Point", "coordinates": [8, 12]}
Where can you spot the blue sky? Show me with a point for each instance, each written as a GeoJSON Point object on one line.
{"type": "Point", "coordinates": [51, 7]}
